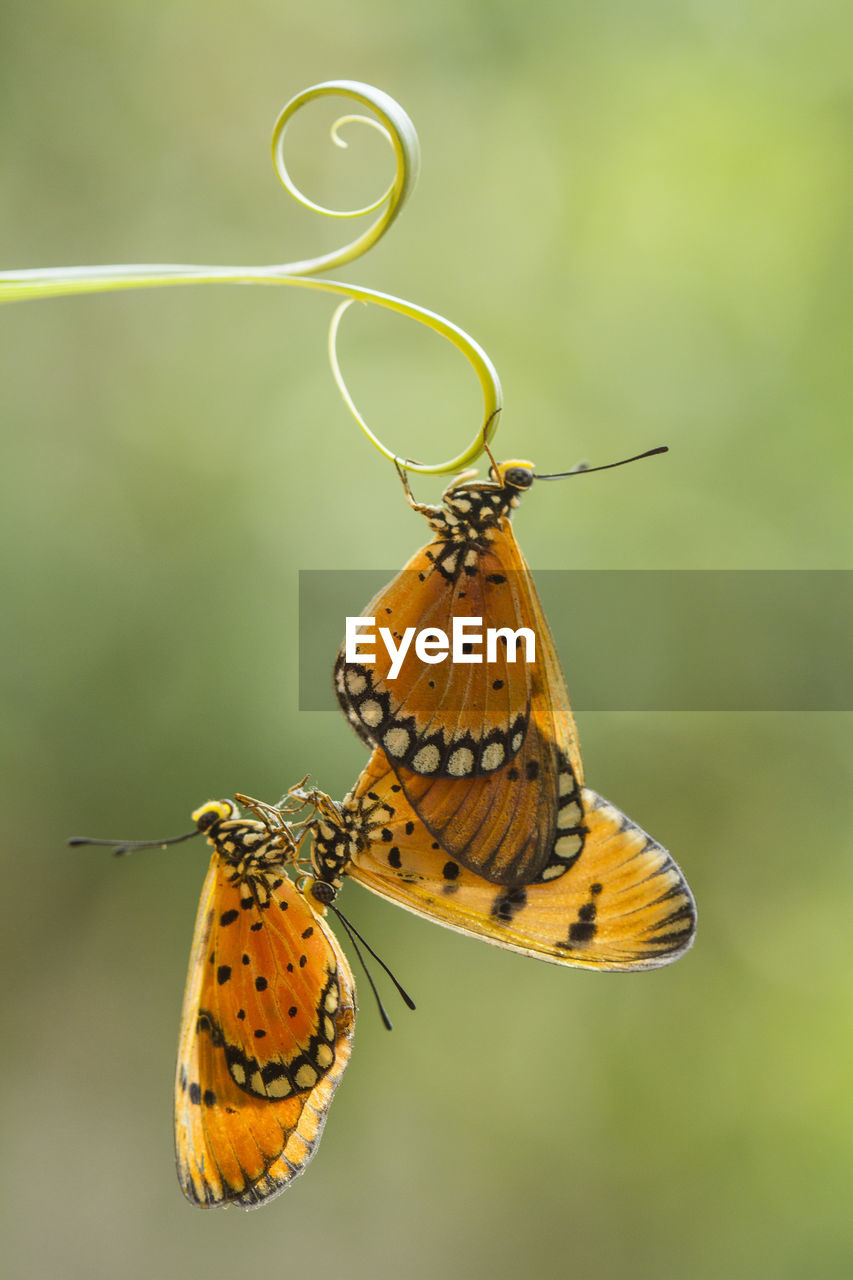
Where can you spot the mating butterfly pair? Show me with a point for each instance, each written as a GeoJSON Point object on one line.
{"type": "Point", "coordinates": [270, 999]}
{"type": "Point", "coordinates": [471, 812]}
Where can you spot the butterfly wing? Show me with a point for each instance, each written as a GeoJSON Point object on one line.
{"type": "Point", "coordinates": [623, 904]}
{"type": "Point", "coordinates": [522, 824]}
{"type": "Point", "coordinates": [525, 821]}
{"type": "Point", "coordinates": [266, 1033]}
{"type": "Point", "coordinates": [302, 1143]}
{"type": "Point", "coordinates": [448, 718]}
{"type": "Point", "coordinates": [487, 753]}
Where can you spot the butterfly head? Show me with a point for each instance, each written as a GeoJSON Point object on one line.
{"type": "Point", "coordinates": [515, 474]}
{"type": "Point", "coordinates": [247, 845]}
{"type": "Point", "coordinates": [473, 506]}
{"type": "Point", "coordinates": [320, 892]}
{"type": "Point", "coordinates": [209, 815]}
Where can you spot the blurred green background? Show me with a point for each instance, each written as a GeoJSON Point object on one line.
{"type": "Point", "coordinates": [643, 213]}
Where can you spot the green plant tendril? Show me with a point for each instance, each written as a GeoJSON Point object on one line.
{"type": "Point", "coordinates": [397, 128]}
{"type": "Point", "coordinates": [476, 356]}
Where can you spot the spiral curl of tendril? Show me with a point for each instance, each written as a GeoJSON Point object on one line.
{"type": "Point", "coordinates": [394, 124]}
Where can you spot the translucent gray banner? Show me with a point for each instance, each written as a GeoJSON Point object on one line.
{"type": "Point", "coordinates": [647, 640]}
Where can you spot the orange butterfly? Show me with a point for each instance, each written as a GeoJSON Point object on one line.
{"type": "Point", "coordinates": [267, 1021]}
{"type": "Point", "coordinates": [487, 754]}
{"type": "Point", "coordinates": [624, 903]}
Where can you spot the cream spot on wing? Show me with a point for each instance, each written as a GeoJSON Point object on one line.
{"type": "Point", "coordinates": [324, 1056]}
{"type": "Point", "coordinates": [238, 1074]}
{"type": "Point", "coordinates": [331, 1001]}
{"type": "Point", "coordinates": [568, 846]}
{"type": "Point", "coordinates": [550, 873]}
{"type": "Point", "coordinates": [570, 814]}
{"type": "Point", "coordinates": [517, 741]}
{"type": "Point", "coordinates": [566, 784]}
{"type": "Point", "coordinates": [493, 755]}
{"type": "Point", "coordinates": [461, 762]}
{"type": "Point", "coordinates": [355, 682]}
{"type": "Point", "coordinates": [396, 742]}
{"type": "Point", "coordinates": [427, 760]}
{"type": "Point", "coordinates": [279, 1088]}
{"type": "Point", "coordinates": [306, 1076]}
{"type": "Point", "coordinates": [370, 712]}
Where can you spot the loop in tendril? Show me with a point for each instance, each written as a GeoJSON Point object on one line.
{"type": "Point", "coordinates": [394, 124]}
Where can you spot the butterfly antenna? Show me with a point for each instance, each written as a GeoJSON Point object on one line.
{"type": "Point", "coordinates": [355, 937]}
{"type": "Point", "coordinates": [121, 847]}
{"type": "Point", "coordinates": [582, 468]}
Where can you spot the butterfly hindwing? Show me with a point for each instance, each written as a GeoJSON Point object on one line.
{"type": "Point", "coordinates": [623, 903]}
{"type": "Point", "coordinates": [266, 1027]}
{"type": "Point", "coordinates": [522, 824]}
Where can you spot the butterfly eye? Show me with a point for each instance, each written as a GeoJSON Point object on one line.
{"type": "Point", "coordinates": [323, 892]}
{"type": "Point", "coordinates": [518, 477]}
{"type": "Point", "coordinates": [211, 813]}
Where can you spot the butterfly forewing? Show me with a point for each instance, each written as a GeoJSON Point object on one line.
{"type": "Point", "coordinates": [266, 1027]}
{"type": "Point", "coordinates": [487, 753]}
{"type": "Point", "coordinates": [302, 1142]}
{"type": "Point", "coordinates": [449, 718]}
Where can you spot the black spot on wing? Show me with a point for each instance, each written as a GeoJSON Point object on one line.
{"type": "Point", "coordinates": [506, 905]}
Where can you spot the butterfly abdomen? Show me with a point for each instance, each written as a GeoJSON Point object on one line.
{"type": "Point", "coordinates": [331, 852]}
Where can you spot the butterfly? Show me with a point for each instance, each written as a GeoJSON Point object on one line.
{"type": "Point", "coordinates": [624, 903]}
{"type": "Point", "coordinates": [486, 753]}
{"type": "Point", "coordinates": [267, 1021]}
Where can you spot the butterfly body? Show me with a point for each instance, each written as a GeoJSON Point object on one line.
{"type": "Point", "coordinates": [267, 1021]}
{"type": "Point", "coordinates": [471, 513]}
{"type": "Point", "coordinates": [486, 752]}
